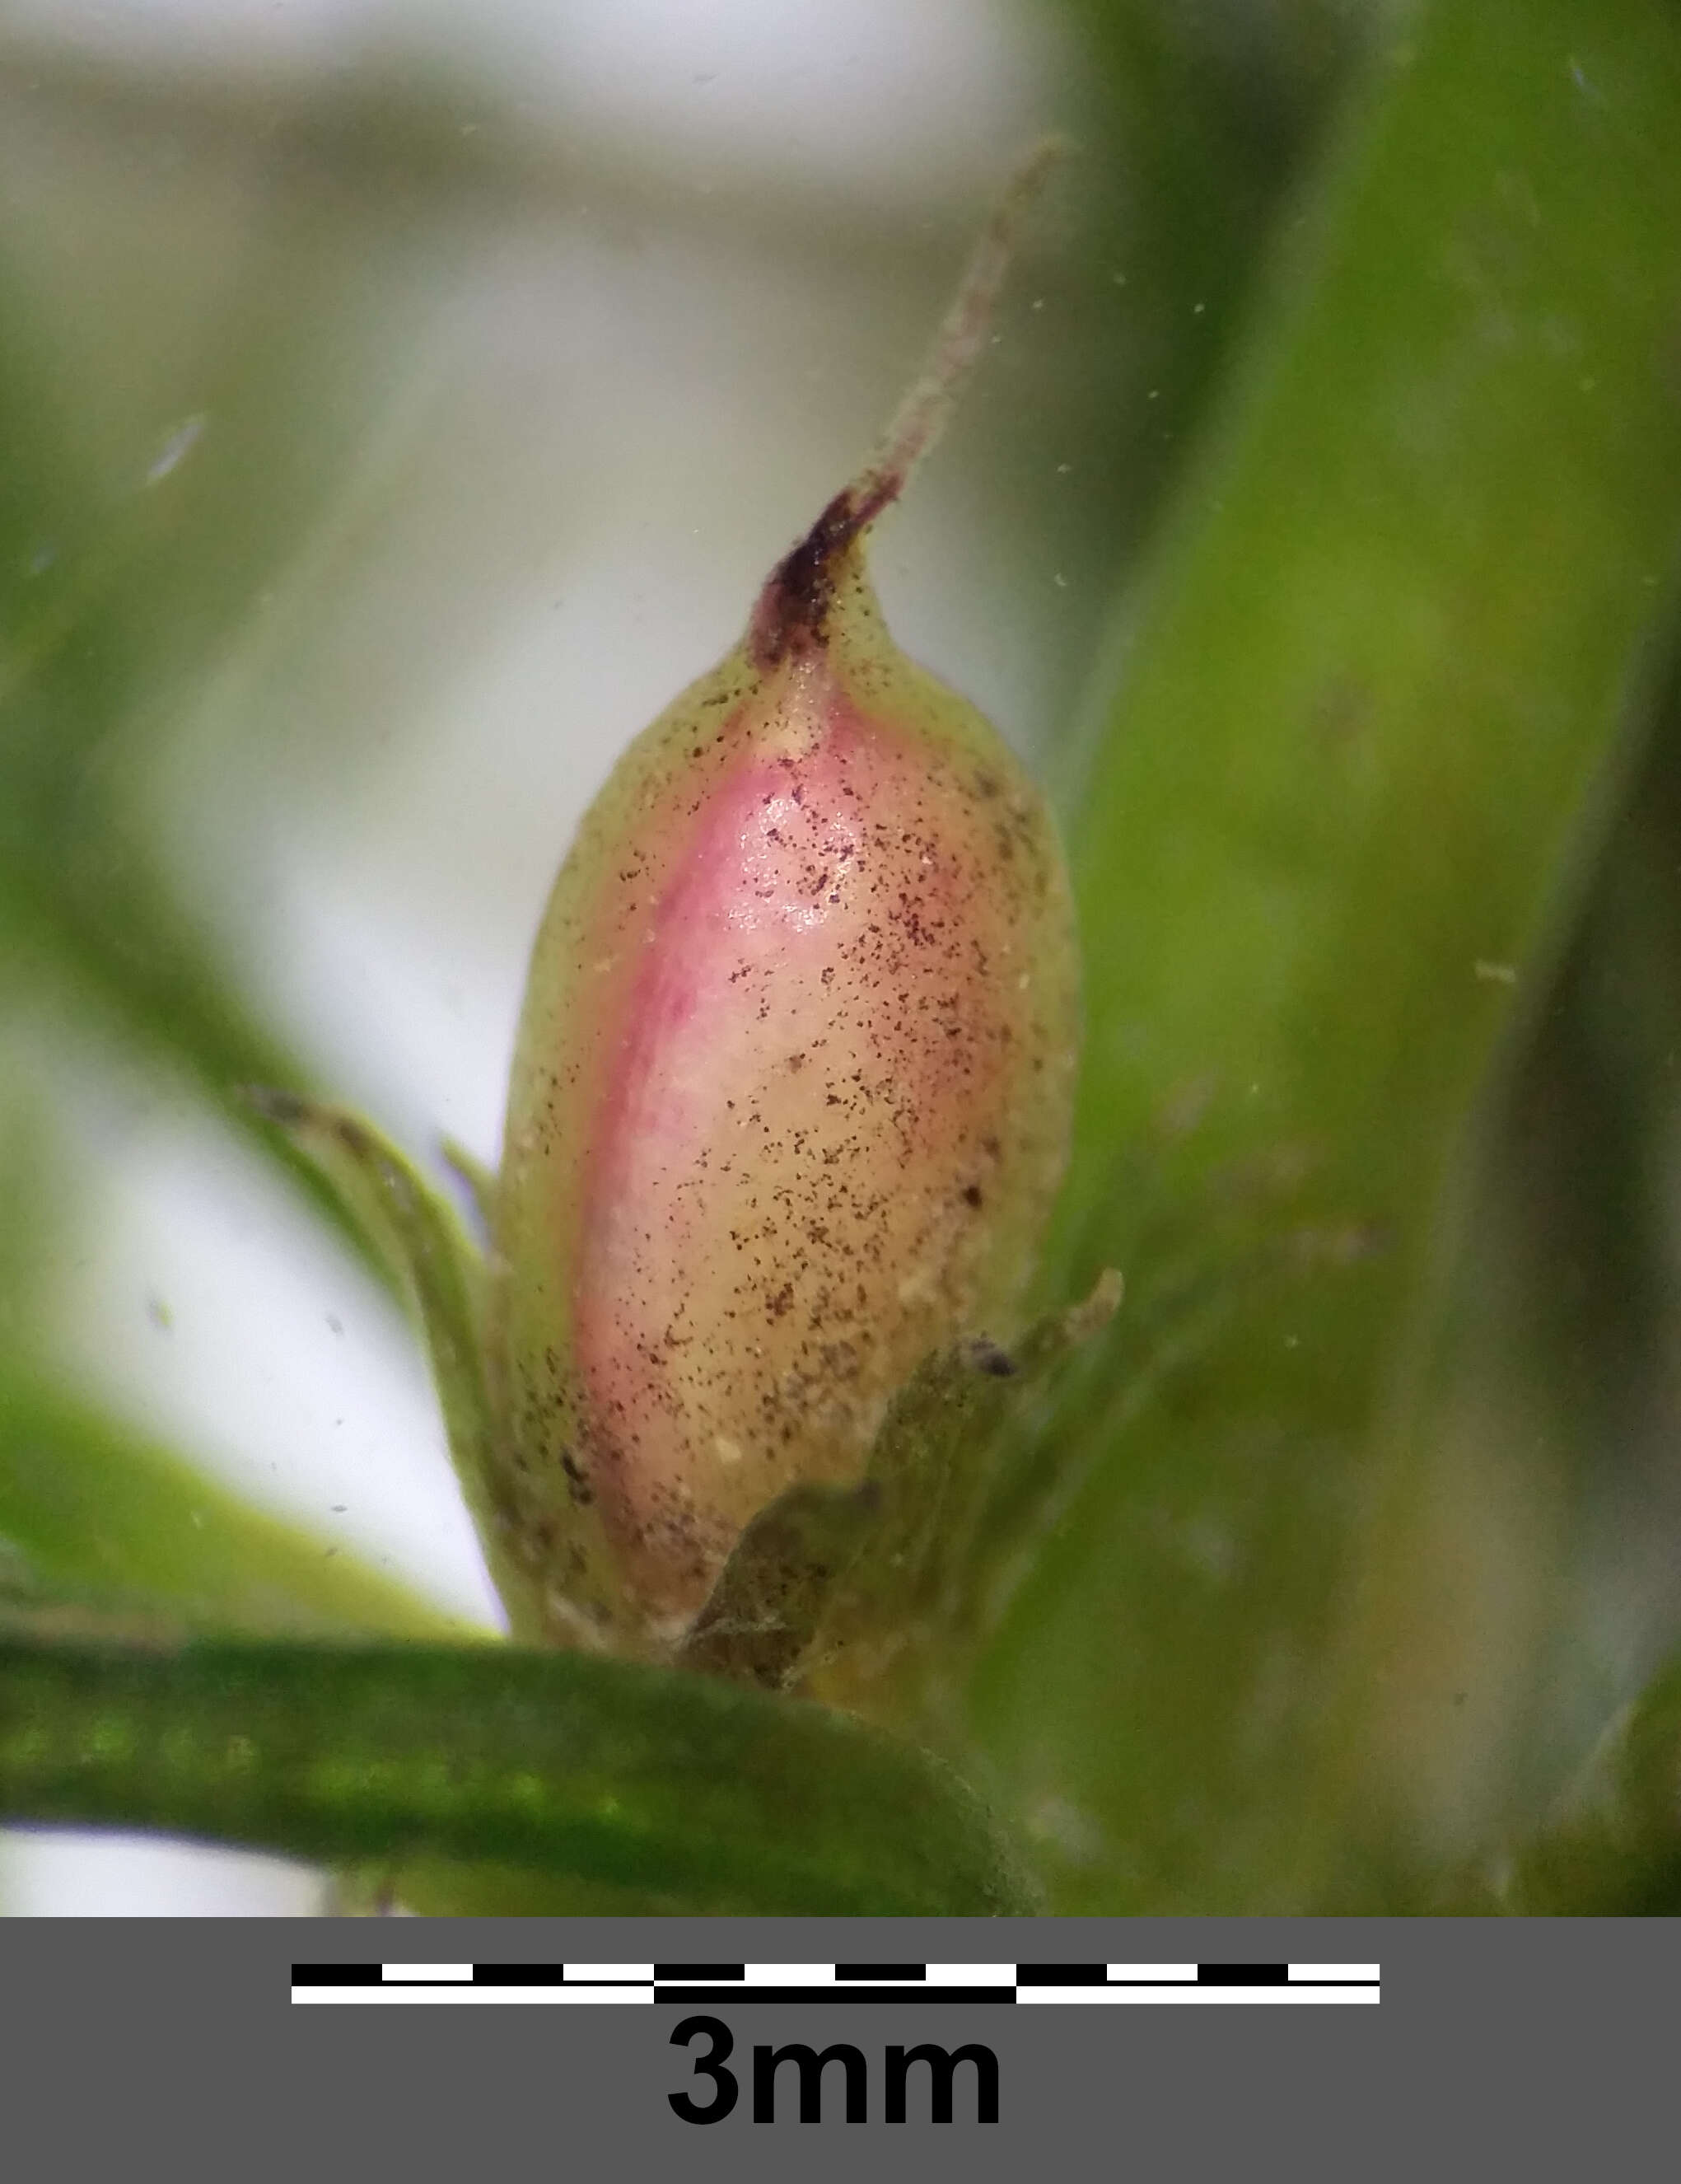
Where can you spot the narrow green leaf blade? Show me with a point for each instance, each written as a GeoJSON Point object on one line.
{"type": "Point", "coordinates": [413, 1233]}
{"type": "Point", "coordinates": [561, 1764]}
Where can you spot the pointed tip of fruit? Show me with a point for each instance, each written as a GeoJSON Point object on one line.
{"type": "Point", "coordinates": [792, 610]}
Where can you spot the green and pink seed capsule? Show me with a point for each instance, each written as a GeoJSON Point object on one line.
{"type": "Point", "coordinates": [792, 1092]}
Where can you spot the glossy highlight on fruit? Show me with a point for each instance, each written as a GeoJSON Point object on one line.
{"type": "Point", "coordinates": [792, 1090]}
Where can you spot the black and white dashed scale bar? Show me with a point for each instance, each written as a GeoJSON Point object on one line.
{"type": "Point", "coordinates": [708, 1985]}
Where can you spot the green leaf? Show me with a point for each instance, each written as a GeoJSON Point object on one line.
{"type": "Point", "coordinates": [1613, 1848]}
{"type": "Point", "coordinates": [413, 1233]}
{"type": "Point", "coordinates": [97, 1523]}
{"type": "Point", "coordinates": [1372, 714]}
{"type": "Point", "coordinates": [561, 1765]}
{"type": "Point", "coordinates": [117, 589]}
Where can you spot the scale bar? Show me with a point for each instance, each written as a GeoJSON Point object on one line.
{"type": "Point", "coordinates": [711, 1986]}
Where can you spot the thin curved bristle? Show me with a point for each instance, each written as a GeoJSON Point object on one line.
{"type": "Point", "coordinates": [795, 601]}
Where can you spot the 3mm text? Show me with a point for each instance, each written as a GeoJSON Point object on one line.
{"type": "Point", "coordinates": [938, 2071]}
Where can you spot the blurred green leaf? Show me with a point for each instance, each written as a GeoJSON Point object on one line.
{"type": "Point", "coordinates": [1199, 121]}
{"type": "Point", "coordinates": [117, 591]}
{"type": "Point", "coordinates": [94, 1519]}
{"type": "Point", "coordinates": [561, 1765]}
{"type": "Point", "coordinates": [1612, 1848]}
{"type": "Point", "coordinates": [1371, 707]}
{"type": "Point", "coordinates": [1207, 112]}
